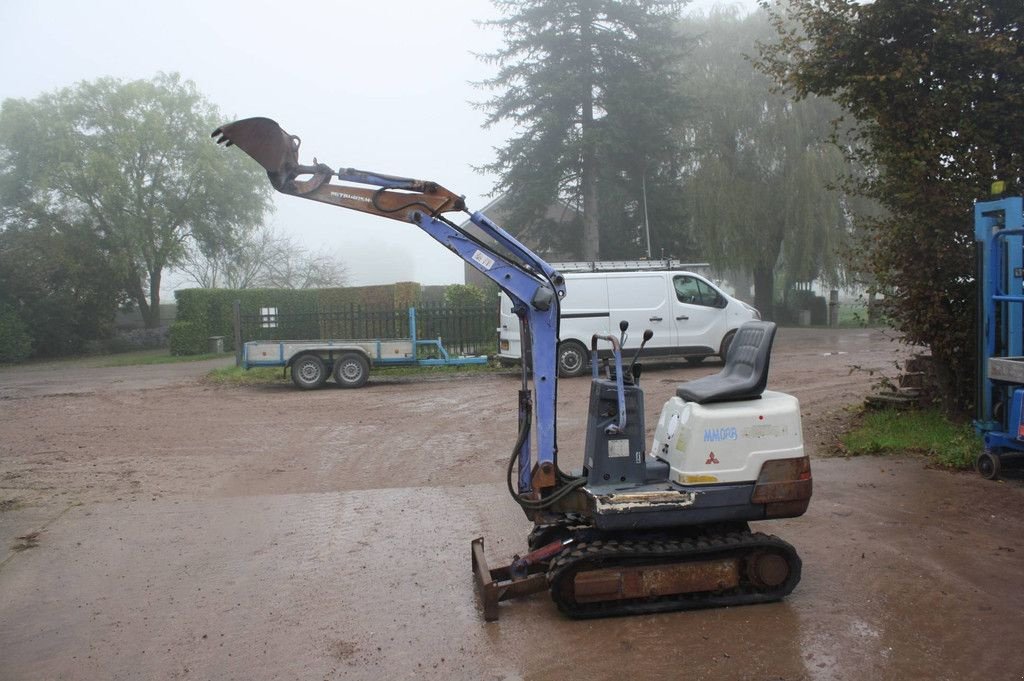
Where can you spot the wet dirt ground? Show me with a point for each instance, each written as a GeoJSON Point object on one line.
{"type": "Point", "coordinates": [153, 526]}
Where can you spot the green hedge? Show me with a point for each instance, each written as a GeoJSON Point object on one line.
{"type": "Point", "coordinates": [402, 294]}
{"type": "Point", "coordinates": [209, 311]}
{"type": "Point", "coordinates": [15, 341]}
{"type": "Point", "coordinates": [188, 338]}
{"type": "Point", "coordinates": [202, 313]}
{"type": "Point", "coordinates": [798, 300]}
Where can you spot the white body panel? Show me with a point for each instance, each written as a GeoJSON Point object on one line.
{"type": "Point", "coordinates": [727, 441]}
{"type": "Point", "coordinates": [688, 314]}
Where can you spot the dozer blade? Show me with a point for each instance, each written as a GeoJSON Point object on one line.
{"type": "Point", "coordinates": [503, 583]}
{"type": "Point", "coordinates": [265, 141]}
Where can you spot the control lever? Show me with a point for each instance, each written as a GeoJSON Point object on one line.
{"type": "Point", "coordinates": [620, 391]}
{"type": "Point", "coordinates": [623, 326]}
{"type": "Point", "coordinates": [648, 335]}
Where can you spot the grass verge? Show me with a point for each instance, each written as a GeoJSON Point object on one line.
{"type": "Point", "coordinates": [926, 431]}
{"type": "Point", "coordinates": [124, 359]}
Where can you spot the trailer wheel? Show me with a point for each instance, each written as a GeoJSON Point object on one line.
{"type": "Point", "coordinates": [351, 370]}
{"type": "Point", "coordinates": [572, 359]}
{"type": "Point", "coordinates": [988, 465]}
{"type": "Point", "coordinates": [308, 372]}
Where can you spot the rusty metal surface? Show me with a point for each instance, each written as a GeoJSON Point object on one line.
{"type": "Point", "coordinates": [786, 485]}
{"type": "Point", "coordinates": [793, 490]}
{"type": "Point", "coordinates": [640, 501]}
{"type": "Point", "coordinates": [263, 140]}
{"type": "Point", "coordinates": [783, 470]}
{"type": "Point", "coordinates": [485, 587]}
{"type": "Point", "coordinates": [278, 152]}
{"type": "Point", "coordinates": [498, 584]}
{"type": "Point", "coordinates": [767, 569]}
{"type": "Point", "coordinates": [620, 583]}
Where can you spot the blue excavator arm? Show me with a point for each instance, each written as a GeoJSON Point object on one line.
{"type": "Point", "coordinates": [534, 287]}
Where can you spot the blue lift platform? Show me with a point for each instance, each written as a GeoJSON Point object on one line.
{"type": "Point", "coordinates": [999, 238]}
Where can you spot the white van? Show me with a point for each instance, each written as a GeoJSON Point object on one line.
{"type": "Point", "coordinates": [690, 316]}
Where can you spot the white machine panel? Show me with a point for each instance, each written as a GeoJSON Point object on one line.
{"type": "Point", "coordinates": [727, 441]}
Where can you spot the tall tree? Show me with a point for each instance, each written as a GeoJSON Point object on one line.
{"type": "Point", "coordinates": [62, 281]}
{"type": "Point", "coordinates": [937, 87]}
{"type": "Point", "coordinates": [591, 87]}
{"type": "Point", "coordinates": [132, 163]}
{"type": "Point", "coordinates": [759, 181]}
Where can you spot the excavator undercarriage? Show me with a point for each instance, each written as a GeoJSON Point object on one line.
{"type": "Point", "coordinates": [607, 574]}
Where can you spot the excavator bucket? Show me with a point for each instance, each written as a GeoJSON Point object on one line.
{"type": "Point", "coordinates": [265, 141]}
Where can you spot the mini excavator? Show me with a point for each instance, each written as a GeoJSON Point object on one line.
{"type": "Point", "coordinates": [637, 530]}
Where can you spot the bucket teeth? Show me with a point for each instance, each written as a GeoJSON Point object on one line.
{"type": "Point", "coordinates": [263, 140]}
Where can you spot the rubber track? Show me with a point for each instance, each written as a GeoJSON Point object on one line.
{"type": "Point", "coordinates": [611, 553]}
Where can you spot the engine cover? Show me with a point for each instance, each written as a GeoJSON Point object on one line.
{"type": "Point", "coordinates": [727, 442]}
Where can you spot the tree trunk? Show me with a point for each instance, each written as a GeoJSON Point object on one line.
{"type": "Point", "coordinates": [135, 290]}
{"type": "Point", "coordinates": [764, 291]}
{"type": "Point", "coordinates": [872, 307]}
{"type": "Point", "coordinates": [588, 183]}
{"type": "Point", "coordinates": [741, 283]}
{"type": "Point", "coordinates": [764, 271]}
{"type": "Point", "coordinates": [591, 227]}
{"type": "Point", "coordinates": [151, 314]}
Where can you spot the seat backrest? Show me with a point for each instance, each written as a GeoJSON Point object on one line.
{"type": "Point", "coordinates": [745, 374]}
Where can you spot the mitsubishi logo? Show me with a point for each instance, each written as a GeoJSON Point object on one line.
{"type": "Point", "coordinates": [711, 460]}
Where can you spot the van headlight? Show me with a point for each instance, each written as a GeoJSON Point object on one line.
{"type": "Point", "coordinates": [752, 310]}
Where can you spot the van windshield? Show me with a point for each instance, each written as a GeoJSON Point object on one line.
{"type": "Point", "coordinates": [693, 291]}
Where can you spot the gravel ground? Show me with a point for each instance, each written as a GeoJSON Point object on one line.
{"type": "Point", "coordinates": [153, 526]}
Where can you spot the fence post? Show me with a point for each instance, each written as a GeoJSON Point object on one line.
{"type": "Point", "coordinates": [236, 310]}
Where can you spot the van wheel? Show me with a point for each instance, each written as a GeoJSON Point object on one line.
{"type": "Point", "coordinates": [308, 372]}
{"type": "Point", "coordinates": [351, 370]}
{"type": "Point", "coordinates": [726, 342]}
{"type": "Point", "coordinates": [572, 359]}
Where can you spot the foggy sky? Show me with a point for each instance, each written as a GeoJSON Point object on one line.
{"type": "Point", "coordinates": [372, 85]}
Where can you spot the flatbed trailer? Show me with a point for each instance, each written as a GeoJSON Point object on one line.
{"type": "Point", "coordinates": [348, 361]}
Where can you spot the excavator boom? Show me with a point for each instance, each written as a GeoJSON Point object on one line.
{"type": "Point", "coordinates": [278, 152]}
{"type": "Point", "coordinates": [534, 285]}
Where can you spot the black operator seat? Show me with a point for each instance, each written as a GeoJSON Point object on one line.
{"type": "Point", "coordinates": [746, 368]}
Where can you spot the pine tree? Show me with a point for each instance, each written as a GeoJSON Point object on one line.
{"type": "Point", "coordinates": [591, 86]}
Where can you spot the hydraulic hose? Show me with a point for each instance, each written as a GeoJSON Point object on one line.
{"type": "Point", "coordinates": [412, 204]}
{"type": "Point", "coordinates": [569, 483]}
